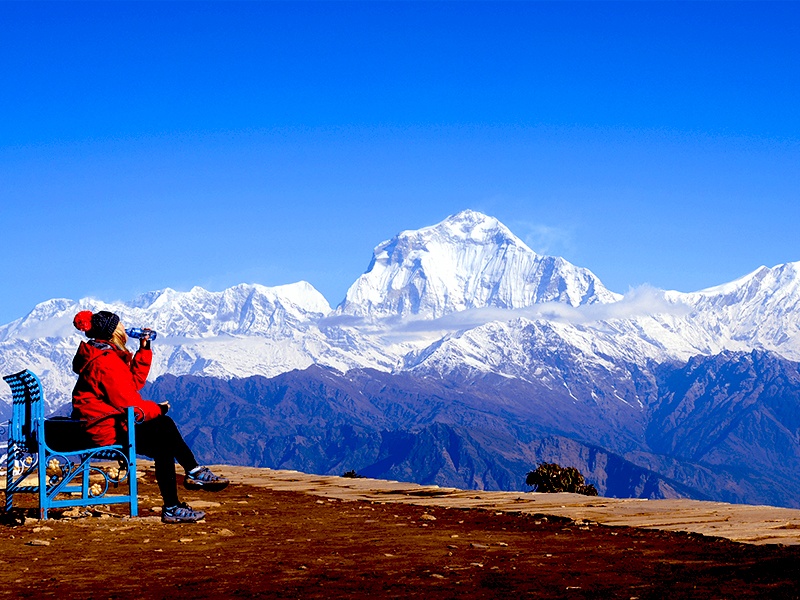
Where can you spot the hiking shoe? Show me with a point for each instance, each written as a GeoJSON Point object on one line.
{"type": "Point", "coordinates": [203, 479]}
{"type": "Point", "coordinates": [181, 513]}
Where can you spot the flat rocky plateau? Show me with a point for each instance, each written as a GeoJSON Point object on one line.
{"type": "Point", "coordinates": [283, 534]}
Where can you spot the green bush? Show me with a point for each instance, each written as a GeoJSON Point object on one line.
{"type": "Point", "coordinates": [352, 474]}
{"type": "Point", "coordinates": [550, 477]}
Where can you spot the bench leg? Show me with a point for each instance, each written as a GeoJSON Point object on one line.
{"type": "Point", "coordinates": [44, 501]}
{"type": "Point", "coordinates": [133, 484]}
{"type": "Point", "coordinates": [85, 479]}
{"type": "Point", "coordinates": [11, 452]}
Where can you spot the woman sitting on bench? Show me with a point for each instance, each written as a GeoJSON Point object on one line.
{"type": "Point", "coordinates": [109, 380]}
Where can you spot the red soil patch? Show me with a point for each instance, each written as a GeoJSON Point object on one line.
{"type": "Point", "coordinates": [268, 544]}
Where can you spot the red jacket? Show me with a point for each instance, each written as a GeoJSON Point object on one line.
{"type": "Point", "coordinates": [109, 381]}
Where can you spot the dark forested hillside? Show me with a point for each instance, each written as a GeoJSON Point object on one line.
{"type": "Point", "coordinates": [723, 427]}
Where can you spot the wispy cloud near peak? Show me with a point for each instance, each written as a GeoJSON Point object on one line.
{"type": "Point", "coordinates": [643, 301]}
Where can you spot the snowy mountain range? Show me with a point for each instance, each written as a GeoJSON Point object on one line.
{"type": "Point", "coordinates": [463, 294]}
{"type": "Point", "coordinates": [462, 357]}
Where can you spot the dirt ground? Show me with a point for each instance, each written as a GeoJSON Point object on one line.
{"type": "Point", "coordinates": [260, 543]}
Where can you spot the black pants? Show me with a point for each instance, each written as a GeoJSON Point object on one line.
{"type": "Point", "coordinates": [160, 439]}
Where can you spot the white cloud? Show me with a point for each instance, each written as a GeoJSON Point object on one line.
{"type": "Point", "coordinates": [643, 301]}
{"type": "Point", "coordinates": [545, 239]}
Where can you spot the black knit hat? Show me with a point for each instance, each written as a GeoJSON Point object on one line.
{"type": "Point", "coordinates": [100, 325]}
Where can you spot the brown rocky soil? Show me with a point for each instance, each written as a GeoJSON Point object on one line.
{"type": "Point", "coordinates": [265, 543]}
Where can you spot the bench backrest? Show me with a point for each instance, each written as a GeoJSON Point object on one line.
{"type": "Point", "coordinates": [27, 409]}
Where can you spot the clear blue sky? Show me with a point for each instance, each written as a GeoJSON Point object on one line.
{"type": "Point", "coordinates": [150, 145]}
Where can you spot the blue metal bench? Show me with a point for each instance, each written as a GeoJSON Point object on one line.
{"type": "Point", "coordinates": [54, 458]}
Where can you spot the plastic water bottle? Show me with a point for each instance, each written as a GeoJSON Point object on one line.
{"type": "Point", "coordinates": [138, 332]}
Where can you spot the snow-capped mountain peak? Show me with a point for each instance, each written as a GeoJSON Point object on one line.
{"type": "Point", "coordinates": [248, 329]}
{"type": "Point", "coordinates": [469, 260]}
{"type": "Point", "coordinates": [783, 279]}
{"type": "Point", "coordinates": [468, 226]}
{"type": "Point", "coordinates": [247, 309]}
{"type": "Point", "coordinates": [759, 310]}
